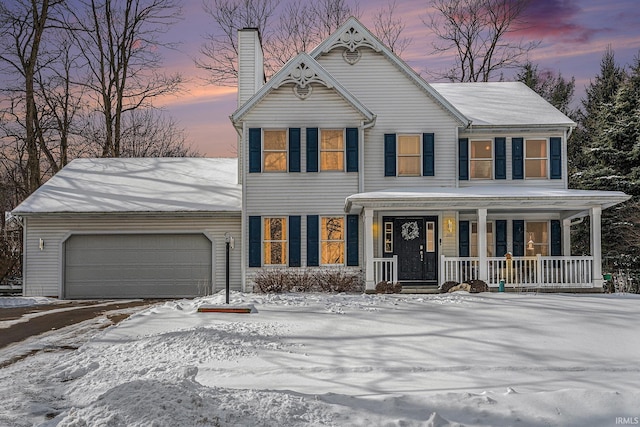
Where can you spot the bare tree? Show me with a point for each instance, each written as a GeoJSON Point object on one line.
{"type": "Point", "coordinates": [119, 41]}
{"type": "Point", "coordinates": [220, 50]}
{"type": "Point", "coordinates": [299, 28]}
{"type": "Point", "coordinates": [388, 27]}
{"type": "Point", "coordinates": [480, 34]}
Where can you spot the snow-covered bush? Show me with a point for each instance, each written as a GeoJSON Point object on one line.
{"type": "Point", "coordinates": [299, 280]}
{"type": "Point", "coordinates": [388, 288]}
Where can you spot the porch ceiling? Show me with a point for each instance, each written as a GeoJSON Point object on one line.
{"type": "Point", "coordinates": [489, 197]}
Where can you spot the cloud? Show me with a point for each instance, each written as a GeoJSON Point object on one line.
{"type": "Point", "coordinates": [557, 20]}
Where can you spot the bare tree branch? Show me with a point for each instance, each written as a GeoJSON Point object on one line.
{"type": "Point", "coordinates": [389, 28]}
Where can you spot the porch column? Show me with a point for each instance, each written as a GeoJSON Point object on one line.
{"type": "Point", "coordinates": [596, 242]}
{"type": "Point", "coordinates": [483, 273]}
{"type": "Point", "coordinates": [566, 237]}
{"type": "Point", "coordinates": [368, 250]}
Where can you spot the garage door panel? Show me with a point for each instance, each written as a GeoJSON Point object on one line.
{"type": "Point", "coordinates": [137, 266]}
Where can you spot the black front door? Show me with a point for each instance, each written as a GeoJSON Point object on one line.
{"type": "Point", "coordinates": [415, 243]}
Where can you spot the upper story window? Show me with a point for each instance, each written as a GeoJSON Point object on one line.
{"type": "Point", "coordinates": [481, 159]}
{"type": "Point", "coordinates": [332, 150]}
{"type": "Point", "coordinates": [535, 162]}
{"type": "Point", "coordinates": [274, 239]}
{"type": "Point", "coordinates": [275, 151]}
{"type": "Point", "coordinates": [409, 155]}
{"type": "Point", "coordinates": [536, 238]}
{"type": "Point", "coordinates": [332, 240]}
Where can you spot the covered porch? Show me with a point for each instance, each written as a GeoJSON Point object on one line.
{"type": "Point", "coordinates": [514, 263]}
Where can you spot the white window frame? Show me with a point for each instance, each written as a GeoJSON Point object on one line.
{"type": "Point", "coordinates": [265, 151]}
{"type": "Point", "coordinates": [343, 240]}
{"type": "Point", "coordinates": [490, 160]}
{"type": "Point", "coordinates": [344, 149]}
{"type": "Point", "coordinates": [419, 155]}
{"type": "Point", "coordinates": [285, 231]}
{"type": "Point", "coordinates": [525, 158]}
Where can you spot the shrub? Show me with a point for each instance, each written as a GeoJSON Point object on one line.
{"type": "Point", "coordinates": [298, 280]}
{"type": "Point", "coordinates": [444, 288]}
{"type": "Point", "coordinates": [478, 286]}
{"type": "Point", "coordinates": [388, 288]}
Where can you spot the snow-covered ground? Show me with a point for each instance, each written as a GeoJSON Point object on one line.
{"type": "Point", "coordinates": [341, 360]}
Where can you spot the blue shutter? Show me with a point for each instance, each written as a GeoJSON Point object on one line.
{"type": "Point", "coordinates": [518, 237]}
{"type": "Point", "coordinates": [312, 149]}
{"type": "Point", "coordinates": [352, 149]}
{"type": "Point", "coordinates": [389, 154]}
{"type": "Point", "coordinates": [294, 241]}
{"type": "Point", "coordinates": [463, 238]}
{"type": "Point", "coordinates": [352, 240]}
{"type": "Point", "coordinates": [517, 158]}
{"type": "Point", "coordinates": [463, 159]}
{"type": "Point", "coordinates": [255, 241]}
{"type": "Point", "coordinates": [501, 237]}
{"type": "Point", "coordinates": [500, 147]}
{"type": "Point", "coordinates": [556, 238]}
{"type": "Point", "coordinates": [313, 244]}
{"type": "Point", "coordinates": [555, 148]}
{"type": "Point", "coordinates": [428, 159]}
{"type": "Point", "coordinates": [255, 150]}
{"type": "Point", "coordinates": [294, 150]}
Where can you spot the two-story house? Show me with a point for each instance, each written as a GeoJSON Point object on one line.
{"type": "Point", "coordinates": [347, 159]}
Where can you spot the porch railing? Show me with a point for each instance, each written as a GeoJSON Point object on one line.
{"type": "Point", "coordinates": [385, 269]}
{"type": "Point", "coordinates": [538, 271]}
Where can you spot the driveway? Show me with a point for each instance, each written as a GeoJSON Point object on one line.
{"type": "Point", "coordinates": [48, 317]}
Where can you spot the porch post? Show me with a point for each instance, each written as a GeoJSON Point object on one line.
{"type": "Point", "coordinates": [483, 273]}
{"type": "Point", "coordinates": [368, 250]}
{"type": "Point", "coordinates": [596, 248]}
{"type": "Point", "coordinates": [566, 237]}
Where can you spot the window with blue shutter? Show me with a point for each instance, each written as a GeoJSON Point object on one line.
{"type": "Point", "coordinates": [255, 150]}
{"type": "Point", "coordinates": [517, 158]}
{"type": "Point", "coordinates": [555, 149]}
{"type": "Point", "coordinates": [352, 149]}
{"type": "Point", "coordinates": [389, 154]}
{"type": "Point", "coordinates": [313, 242]}
{"type": "Point", "coordinates": [428, 158]}
{"type": "Point", "coordinates": [352, 240]}
{"type": "Point", "coordinates": [556, 238]}
{"type": "Point", "coordinates": [501, 237]}
{"type": "Point", "coordinates": [518, 237]}
{"type": "Point", "coordinates": [312, 149]}
{"type": "Point", "coordinates": [463, 159]}
{"type": "Point", "coordinates": [500, 146]}
{"type": "Point", "coordinates": [294, 241]}
{"type": "Point", "coordinates": [255, 241]}
{"type": "Point", "coordinates": [294, 149]}
{"type": "Point", "coordinates": [463, 238]}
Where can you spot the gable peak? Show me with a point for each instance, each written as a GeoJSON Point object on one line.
{"type": "Point", "coordinates": [351, 37]}
{"type": "Point", "coordinates": [303, 71]}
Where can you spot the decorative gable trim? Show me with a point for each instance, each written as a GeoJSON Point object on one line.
{"type": "Point", "coordinates": [302, 71]}
{"type": "Point", "coordinates": [352, 32]}
{"type": "Point", "coordinates": [352, 39]}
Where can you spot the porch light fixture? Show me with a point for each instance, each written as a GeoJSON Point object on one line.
{"type": "Point", "coordinates": [41, 245]}
{"type": "Point", "coordinates": [450, 226]}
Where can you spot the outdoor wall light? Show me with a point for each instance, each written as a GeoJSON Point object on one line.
{"type": "Point", "coordinates": [41, 245]}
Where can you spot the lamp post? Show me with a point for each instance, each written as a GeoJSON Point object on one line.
{"type": "Point", "coordinates": [228, 241]}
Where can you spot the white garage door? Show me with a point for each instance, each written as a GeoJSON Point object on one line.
{"type": "Point", "coordinates": [137, 266]}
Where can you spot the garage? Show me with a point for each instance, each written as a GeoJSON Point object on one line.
{"type": "Point", "coordinates": [137, 265]}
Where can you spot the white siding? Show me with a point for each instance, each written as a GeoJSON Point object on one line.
{"type": "Point", "coordinates": [43, 268]}
{"type": "Point", "coordinates": [401, 107]}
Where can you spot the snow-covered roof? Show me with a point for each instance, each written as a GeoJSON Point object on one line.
{"type": "Point", "coordinates": [139, 185]}
{"type": "Point", "coordinates": [490, 197]}
{"type": "Point", "coordinates": [502, 104]}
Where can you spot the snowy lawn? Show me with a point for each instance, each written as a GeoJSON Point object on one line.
{"type": "Point", "coordinates": [362, 360]}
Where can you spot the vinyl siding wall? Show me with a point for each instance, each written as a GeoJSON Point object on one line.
{"type": "Point", "coordinates": [43, 271]}
{"type": "Point", "coordinates": [401, 107]}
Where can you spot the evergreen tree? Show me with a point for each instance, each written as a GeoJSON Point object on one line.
{"type": "Point", "coordinates": [608, 158]}
{"type": "Point", "coordinates": [554, 88]}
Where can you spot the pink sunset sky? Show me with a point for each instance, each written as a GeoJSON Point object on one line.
{"type": "Point", "coordinates": [573, 33]}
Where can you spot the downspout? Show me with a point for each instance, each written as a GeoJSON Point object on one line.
{"type": "Point", "coordinates": [363, 126]}
{"type": "Point", "coordinates": [243, 217]}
